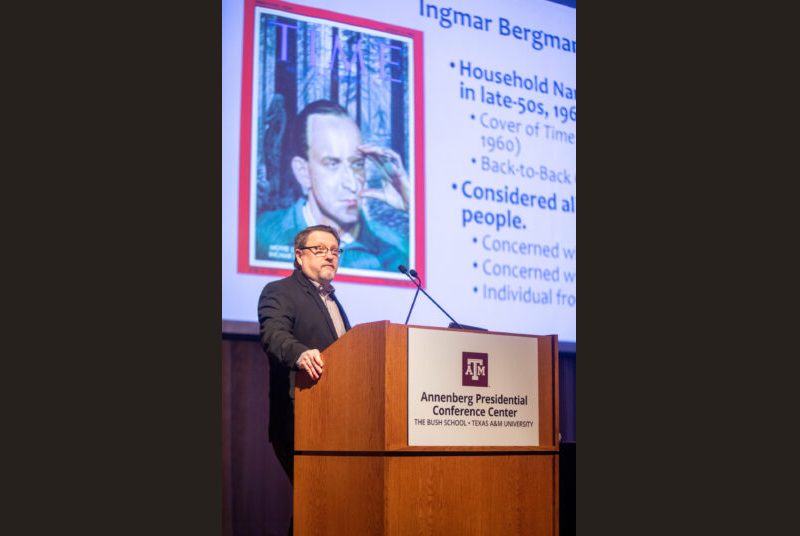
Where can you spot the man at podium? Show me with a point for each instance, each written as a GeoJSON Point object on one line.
{"type": "Point", "coordinates": [299, 316]}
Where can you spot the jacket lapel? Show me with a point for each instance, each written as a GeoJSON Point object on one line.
{"type": "Point", "coordinates": [341, 312]}
{"type": "Point", "coordinates": [313, 295]}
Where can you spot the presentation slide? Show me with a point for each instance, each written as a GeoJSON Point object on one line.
{"type": "Point", "coordinates": [438, 137]}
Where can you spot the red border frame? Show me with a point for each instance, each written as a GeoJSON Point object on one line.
{"type": "Point", "coordinates": [245, 130]}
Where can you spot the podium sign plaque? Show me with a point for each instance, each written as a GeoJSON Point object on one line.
{"type": "Point", "coordinates": [472, 389]}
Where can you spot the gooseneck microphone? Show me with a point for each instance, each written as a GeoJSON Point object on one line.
{"type": "Point", "coordinates": [412, 275]}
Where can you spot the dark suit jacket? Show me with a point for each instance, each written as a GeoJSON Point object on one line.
{"type": "Point", "coordinates": [292, 319]}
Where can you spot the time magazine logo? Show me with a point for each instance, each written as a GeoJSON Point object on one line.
{"type": "Point", "coordinates": [475, 369]}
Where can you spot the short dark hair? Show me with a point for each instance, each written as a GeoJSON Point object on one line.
{"type": "Point", "coordinates": [298, 137]}
{"type": "Point", "coordinates": [300, 238]}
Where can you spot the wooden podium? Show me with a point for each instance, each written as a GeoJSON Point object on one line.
{"type": "Point", "coordinates": [355, 473]}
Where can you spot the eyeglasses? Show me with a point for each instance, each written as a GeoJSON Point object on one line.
{"type": "Point", "coordinates": [322, 251]}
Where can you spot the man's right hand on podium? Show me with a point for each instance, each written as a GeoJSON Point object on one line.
{"type": "Point", "coordinates": [311, 362]}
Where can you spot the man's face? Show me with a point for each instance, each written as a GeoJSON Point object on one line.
{"type": "Point", "coordinates": [320, 269]}
{"type": "Point", "coordinates": [333, 173]}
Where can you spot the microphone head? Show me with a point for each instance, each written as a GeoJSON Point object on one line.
{"type": "Point", "coordinates": [413, 273]}
{"type": "Point", "coordinates": [403, 269]}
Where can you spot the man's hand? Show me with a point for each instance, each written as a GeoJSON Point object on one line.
{"type": "Point", "coordinates": [390, 166]}
{"type": "Point", "coordinates": [311, 362]}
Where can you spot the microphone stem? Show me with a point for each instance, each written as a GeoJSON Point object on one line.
{"type": "Point", "coordinates": [440, 307]}
{"type": "Point", "coordinates": [414, 279]}
{"type": "Point", "coordinates": [412, 304]}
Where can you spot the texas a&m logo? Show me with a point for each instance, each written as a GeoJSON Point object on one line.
{"type": "Point", "coordinates": [475, 369]}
